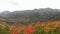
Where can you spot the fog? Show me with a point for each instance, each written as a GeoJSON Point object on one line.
{"type": "Point", "coordinates": [12, 5]}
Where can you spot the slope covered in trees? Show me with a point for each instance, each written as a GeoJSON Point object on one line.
{"type": "Point", "coordinates": [30, 16]}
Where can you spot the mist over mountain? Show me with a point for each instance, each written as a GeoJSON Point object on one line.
{"type": "Point", "coordinates": [27, 13]}
{"type": "Point", "coordinates": [29, 16]}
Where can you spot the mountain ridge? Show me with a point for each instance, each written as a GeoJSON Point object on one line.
{"type": "Point", "coordinates": [31, 16]}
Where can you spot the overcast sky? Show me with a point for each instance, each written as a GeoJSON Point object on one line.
{"type": "Point", "coordinates": [12, 5]}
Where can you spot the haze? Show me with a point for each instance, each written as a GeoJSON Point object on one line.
{"type": "Point", "coordinates": [12, 5]}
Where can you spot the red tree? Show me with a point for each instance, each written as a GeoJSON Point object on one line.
{"type": "Point", "coordinates": [29, 30]}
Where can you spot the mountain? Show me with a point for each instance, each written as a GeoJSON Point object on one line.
{"type": "Point", "coordinates": [4, 14]}
{"type": "Point", "coordinates": [29, 16]}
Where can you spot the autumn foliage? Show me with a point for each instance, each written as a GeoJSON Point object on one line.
{"type": "Point", "coordinates": [29, 30]}
{"type": "Point", "coordinates": [36, 28]}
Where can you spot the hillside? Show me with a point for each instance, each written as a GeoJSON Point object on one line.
{"type": "Point", "coordinates": [29, 16]}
